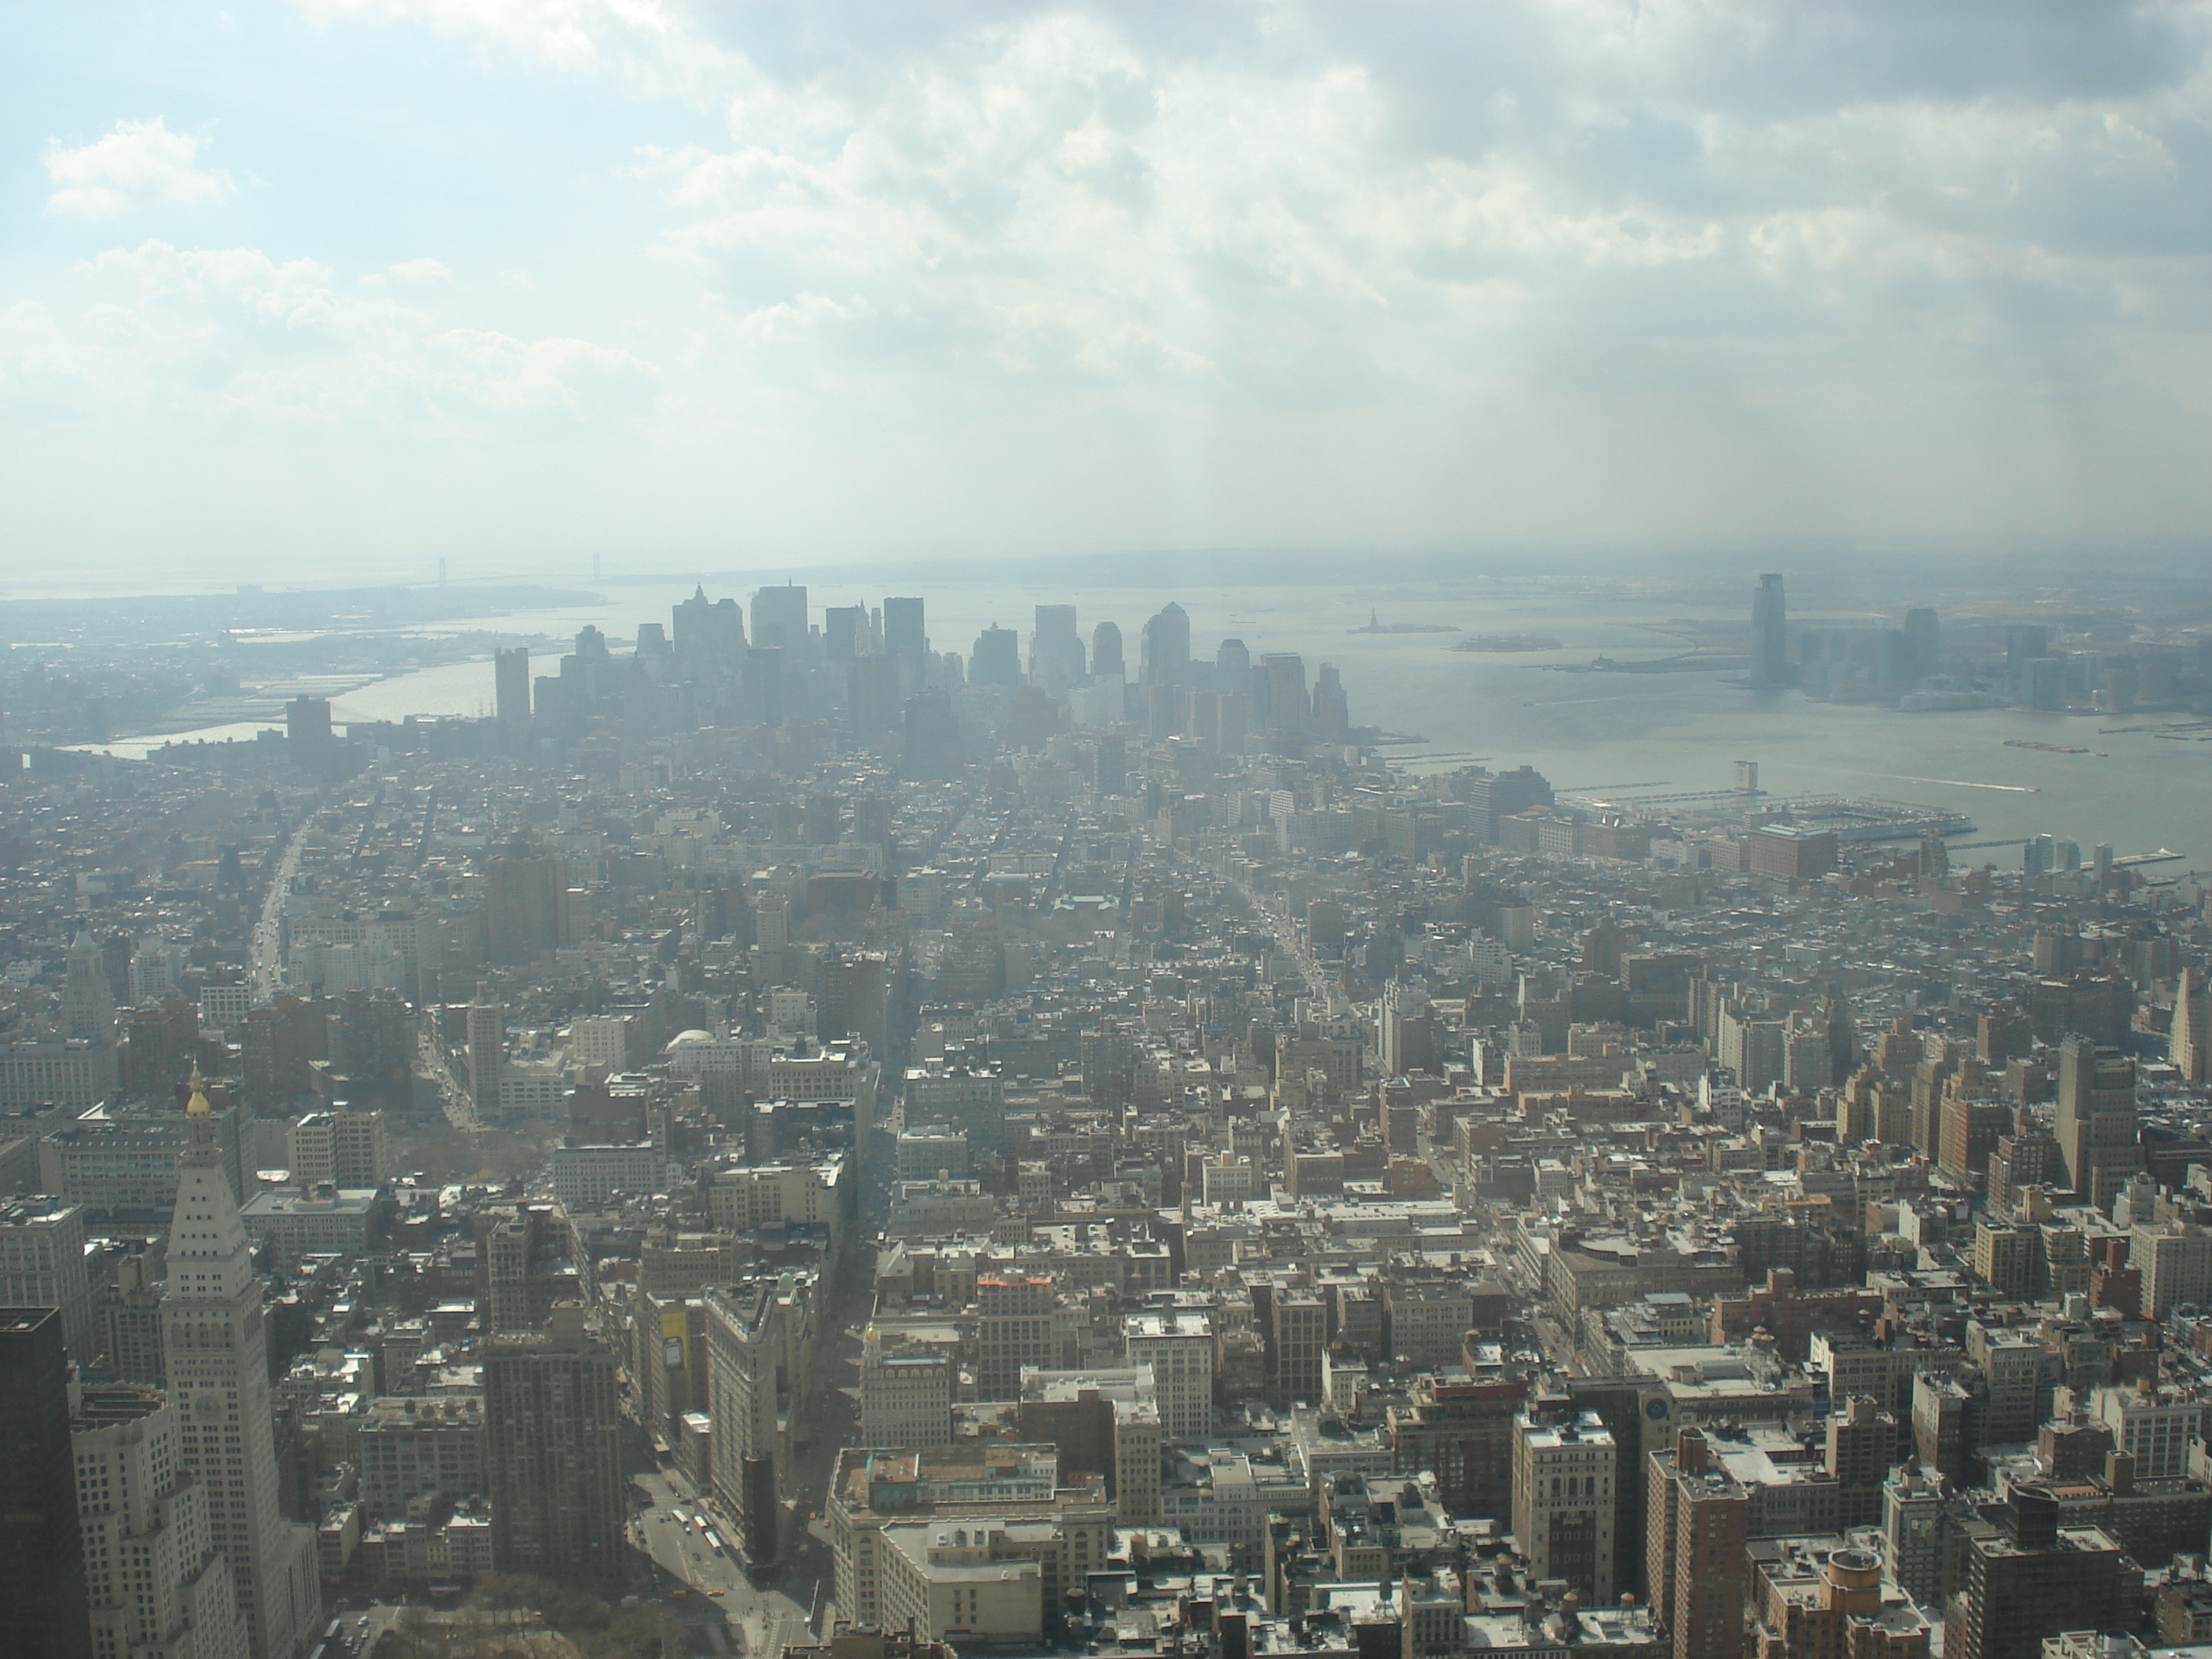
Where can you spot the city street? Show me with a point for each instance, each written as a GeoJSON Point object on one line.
{"type": "Point", "coordinates": [264, 962]}
{"type": "Point", "coordinates": [432, 1061]}
{"type": "Point", "coordinates": [833, 1423]}
{"type": "Point", "coordinates": [761, 1622]}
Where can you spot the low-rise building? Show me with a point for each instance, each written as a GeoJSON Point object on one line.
{"type": "Point", "coordinates": [323, 1221]}
{"type": "Point", "coordinates": [995, 1485]}
{"type": "Point", "coordinates": [587, 1177]}
{"type": "Point", "coordinates": [408, 1447]}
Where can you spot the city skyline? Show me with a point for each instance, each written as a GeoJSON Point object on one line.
{"type": "Point", "coordinates": [1080, 830]}
{"type": "Point", "coordinates": [775, 1127]}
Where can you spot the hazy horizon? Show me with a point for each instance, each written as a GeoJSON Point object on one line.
{"type": "Point", "coordinates": [1873, 575]}
{"type": "Point", "coordinates": [327, 291]}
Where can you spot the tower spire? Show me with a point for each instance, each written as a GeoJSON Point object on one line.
{"type": "Point", "coordinates": [199, 1125]}
{"type": "Point", "coordinates": [215, 1345]}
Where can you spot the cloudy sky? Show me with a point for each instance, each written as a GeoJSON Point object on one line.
{"type": "Point", "coordinates": [345, 286]}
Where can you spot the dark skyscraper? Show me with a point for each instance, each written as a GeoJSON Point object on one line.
{"type": "Point", "coordinates": [706, 633]}
{"type": "Point", "coordinates": [760, 688]}
{"type": "Point", "coordinates": [552, 1454]}
{"type": "Point", "coordinates": [2028, 1578]}
{"type": "Point", "coordinates": [1110, 764]}
{"type": "Point", "coordinates": [522, 899]}
{"type": "Point", "coordinates": [780, 617]}
{"type": "Point", "coordinates": [1491, 798]}
{"type": "Point", "coordinates": [932, 737]}
{"type": "Point", "coordinates": [308, 737]}
{"type": "Point", "coordinates": [1769, 630]}
{"type": "Point", "coordinates": [1164, 657]}
{"type": "Point", "coordinates": [844, 627]}
{"type": "Point", "coordinates": [1106, 650]}
{"type": "Point", "coordinates": [510, 689]}
{"type": "Point", "coordinates": [997, 659]}
{"type": "Point", "coordinates": [1290, 709]}
{"type": "Point", "coordinates": [1332, 711]}
{"type": "Point", "coordinates": [2024, 643]}
{"type": "Point", "coordinates": [2096, 1119]}
{"type": "Point", "coordinates": [1055, 649]}
{"type": "Point", "coordinates": [905, 637]}
{"type": "Point", "coordinates": [872, 685]}
{"type": "Point", "coordinates": [43, 1609]}
{"type": "Point", "coordinates": [584, 671]}
{"type": "Point", "coordinates": [687, 621]}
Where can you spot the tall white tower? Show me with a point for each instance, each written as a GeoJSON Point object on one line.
{"type": "Point", "coordinates": [158, 1585]}
{"type": "Point", "coordinates": [217, 1349]}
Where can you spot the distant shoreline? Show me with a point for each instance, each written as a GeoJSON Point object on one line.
{"type": "Point", "coordinates": [1498, 643]}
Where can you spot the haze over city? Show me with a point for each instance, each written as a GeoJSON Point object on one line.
{"type": "Point", "coordinates": [988, 831]}
{"type": "Point", "coordinates": [344, 286]}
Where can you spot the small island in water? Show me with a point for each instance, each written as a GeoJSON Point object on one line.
{"type": "Point", "coordinates": [1508, 642]}
{"type": "Point", "coordinates": [1374, 626]}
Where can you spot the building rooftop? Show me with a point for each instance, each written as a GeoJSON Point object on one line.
{"type": "Point", "coordinates": [340, 1201]}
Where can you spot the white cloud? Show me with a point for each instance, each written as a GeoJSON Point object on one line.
{"type": "Point", "coordinates": [788, 318]}
{"type": "Point", "coordinates": [497, 372]}
{"type": "Point", "coordinates": [232, 334]}
{"type": "Point", "coordinates": [1319, 201]}
{"type": "Point", "coordinates": [135, 164]}
{"type": "Point", "coordinates": [1054, 199]}
{"type": "Point", "coordinates": [649, 46]}
{"type": "Point", "coordinates": [1613, 268]}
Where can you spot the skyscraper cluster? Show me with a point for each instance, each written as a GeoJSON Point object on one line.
{"type": "Point", "coordinates": [872, 670]}
{"type": "Point", "coordinates": [1020, 1139]}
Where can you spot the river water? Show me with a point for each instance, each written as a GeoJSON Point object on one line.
{"type": "Point", "coordinates": [1682, 731]}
